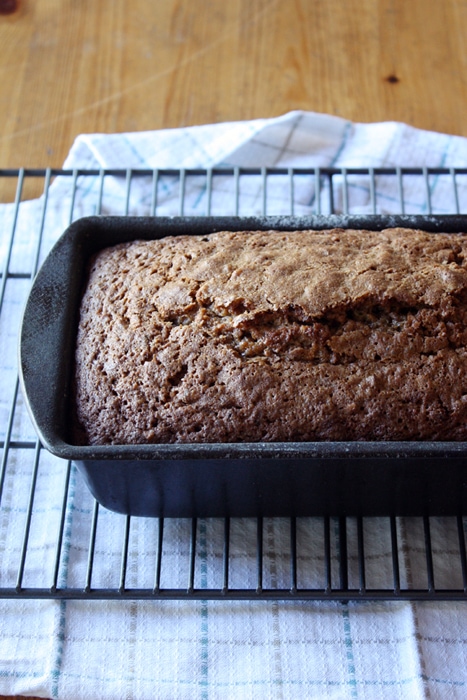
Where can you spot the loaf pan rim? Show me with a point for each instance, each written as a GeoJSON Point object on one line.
{"type": "Point", "coordinates": [72, 239]}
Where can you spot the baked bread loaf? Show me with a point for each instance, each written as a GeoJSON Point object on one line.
{"type": "Point", "coordinates": [272, 336]}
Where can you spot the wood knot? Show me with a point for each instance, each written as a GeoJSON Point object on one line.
{"type": "Point", "coordinates": [7, 7]}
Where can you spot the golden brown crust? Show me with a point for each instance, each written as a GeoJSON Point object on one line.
{"type": "Point", "coordinates": [271, 336]}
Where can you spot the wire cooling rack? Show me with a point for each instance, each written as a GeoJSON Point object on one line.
{"type": "Point", "coordinates": [49, 523]}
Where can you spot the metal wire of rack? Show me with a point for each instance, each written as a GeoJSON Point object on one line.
{"type": "Point", "coordinates": [328, 558]}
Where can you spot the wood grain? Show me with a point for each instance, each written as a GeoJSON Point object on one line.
{"type": "Point", "coordinates": [70, 67]}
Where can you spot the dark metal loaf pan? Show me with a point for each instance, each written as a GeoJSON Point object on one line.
{"type": "Point", "coordinates": [184, 480]}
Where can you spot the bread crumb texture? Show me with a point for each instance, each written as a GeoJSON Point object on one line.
{"type": "Point", "coordinates": [272, 336]}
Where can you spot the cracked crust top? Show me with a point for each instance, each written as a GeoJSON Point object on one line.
{"type": "Point", "coordinates": [273, 336]}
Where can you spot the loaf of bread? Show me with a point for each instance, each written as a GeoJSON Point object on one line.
{"type": "Point", "coordinates": [273, 336]}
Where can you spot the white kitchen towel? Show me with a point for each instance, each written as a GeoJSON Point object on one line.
{"type": "Point", "coordinates": [81, 650]}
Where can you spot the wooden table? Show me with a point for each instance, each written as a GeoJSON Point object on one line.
{"type": "Point", "coordinates": [70, 67]}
